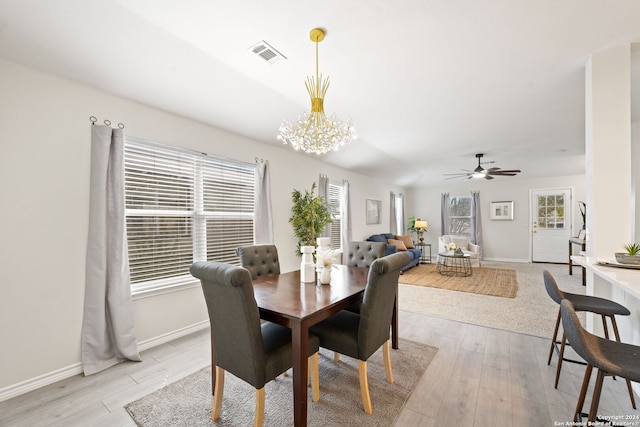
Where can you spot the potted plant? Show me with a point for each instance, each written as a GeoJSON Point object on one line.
{"type": "Point", "coordinates": [631, 254]}
{"type": "Point", "coordinates": [309, 216]}
{"type": "Point", "coordinates": [583, 212]}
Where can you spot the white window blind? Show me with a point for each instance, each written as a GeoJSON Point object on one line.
{"type": "Point", "coordinates": [183, 207]}
{"type": "Point", "coordinates": [460, 215]}
{"type": "Point", "coordinates": [335, 192]}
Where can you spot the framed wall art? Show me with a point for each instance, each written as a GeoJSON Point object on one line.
{"type": "Point", "coordinates": [373, 208]}
{"type": "Point", "coordinates": [501, 211]}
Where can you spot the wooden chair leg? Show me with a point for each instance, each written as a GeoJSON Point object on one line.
{"type": "Point", "coordinates": [604, 326]}
{"type": "Point", "coordinates": [386, 355]}
{"type": "Point", "coordinates": [217, 398]}
{"type": "Point", "coordinates": [583, 392]}
{"type": "Point", "coordinates": [553, 339]}
{"type": "Point", "coordinates": [560, 358]}
{"type": "Point", "coordinates": [315, 376]}
{"type": "Point", "coordinates": [616, 333]}
{"type": "Point", "coordinates": [595, 400]}
{"type": "Point", "coordinates": [258, 418]}
{"type": "Point", "coordinates": [336, 356]}
{"type": "Point", "coordinates": [364, 386]}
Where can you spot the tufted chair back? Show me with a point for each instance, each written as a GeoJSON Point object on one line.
{"type": "Point", "coordinates": [362, 254]}
{"type": "Point", "coordinates": [260, 260]}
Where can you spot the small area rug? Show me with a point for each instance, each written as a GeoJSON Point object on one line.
{"type": "Point", "coordinates": [188, 402]}
{"type": "Point", "coordinates": [484, 281]}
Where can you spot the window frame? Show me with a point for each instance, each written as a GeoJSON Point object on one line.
{"type": "Point", "coordinates": [199, 216]}
{"type": "Point", "coordinates": [452, 218]}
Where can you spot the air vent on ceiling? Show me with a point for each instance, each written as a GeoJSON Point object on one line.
{"type": "Point", "coordinates": [267, 52]}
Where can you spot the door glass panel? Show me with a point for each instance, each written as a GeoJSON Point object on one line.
{"type": "Point", "coordinates": [542, 201]}
{"type": "Point", "coordinates": [551, 200]}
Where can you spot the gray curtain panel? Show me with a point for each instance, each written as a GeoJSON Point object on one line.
{"type": "Point", "coordinates": [393, 220]}
{"type": "Point", "coordinates": [476, 223]}
{"type": "Point", "coordinates": [108, 335]}
{"type": "Point", "coordinates": [263, 220]}
{"type": "Point", "coordinates": [345, 223]}
{"type": "Point", "coordinates": [323, 191]}
{"type": "Point", "coordinates": [444, 214]}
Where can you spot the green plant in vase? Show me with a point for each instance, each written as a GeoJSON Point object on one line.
{"type": "Point", "coordinates": [309, 216]}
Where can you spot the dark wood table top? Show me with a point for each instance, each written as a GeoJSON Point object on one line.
{"type": "Point", "coordinates": [284, 296]}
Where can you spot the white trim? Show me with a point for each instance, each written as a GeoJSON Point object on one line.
{"type": "Point", "coordinates": [161, 339]}
{"type": "Point", "coordinates": [528, 261]}
{"type": "Point", "coordinates": [26, 386]}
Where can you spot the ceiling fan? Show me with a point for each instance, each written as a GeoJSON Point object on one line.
{"type": "Point", "coordinates": [481, 172]}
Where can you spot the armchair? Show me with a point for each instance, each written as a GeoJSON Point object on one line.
{"type": "Point", "coordinates": [464, 244]}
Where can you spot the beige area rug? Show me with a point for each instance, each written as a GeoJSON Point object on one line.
{"type": "Point", "coordinates": [188, 402]}
{"type": "Point", "coordinates": [485, 281]}
{"type": "Point", "coordinates": [531, 312]}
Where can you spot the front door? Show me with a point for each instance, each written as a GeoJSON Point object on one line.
{"type": "Point", "coordinates": [551, 225]}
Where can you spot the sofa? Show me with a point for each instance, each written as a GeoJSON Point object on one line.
{"type": "Point", "coordinates": [463, 243]}
{"type": "Point", "coordinates": [392, 247]}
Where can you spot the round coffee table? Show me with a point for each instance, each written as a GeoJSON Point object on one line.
{"type": "Point", "coordinates": [454, 265]}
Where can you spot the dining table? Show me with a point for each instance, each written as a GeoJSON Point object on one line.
{"type": "Point", "coordinates": [286, 300]}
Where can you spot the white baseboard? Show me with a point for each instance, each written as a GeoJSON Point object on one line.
{"type": "Point", "coordinates": [505, 260]}
{"type": "Point", "coordinates": [161, 339]}
{"type": "Point", "coordinates": [26, 386]}
{"type": "Point", "coordinates": [23, 387]}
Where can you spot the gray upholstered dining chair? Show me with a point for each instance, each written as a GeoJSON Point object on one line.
{"type": "Point", "coordinates": [360, 335]}
{"type": "Point", "coordinates": [260, 260]}
{"type": "Point", "coordinates": [362, 254]}
{"type": "Point", "coordinates": [607, 356]}
{"type": "Point", "coordinates": [254, 352]}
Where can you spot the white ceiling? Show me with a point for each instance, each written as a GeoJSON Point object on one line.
{"type": "Point", "coordinates": [427, 83]}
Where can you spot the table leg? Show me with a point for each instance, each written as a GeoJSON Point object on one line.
{"type": "Point", "coordinates": [570, 262]}
{"type": "Point", "coordinates": [584, 272]}
{"type": "Point", "coordinates": [300, 343]}
{"type": "Point", "coordinates": [394, 324]}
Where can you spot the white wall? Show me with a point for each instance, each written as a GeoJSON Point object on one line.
{"type": "Point", "coordinates": [44, 181]}
{"type": "Point", "coordinates": [502, 240]}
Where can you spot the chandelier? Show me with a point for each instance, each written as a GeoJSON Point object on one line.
{"type": "Point", "coordinates": [314, 133]}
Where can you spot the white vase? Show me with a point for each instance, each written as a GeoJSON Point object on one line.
{"type": "Point", "coordinates": [325, 275]}
{"type": "Point", "coordinates": [307, 267]}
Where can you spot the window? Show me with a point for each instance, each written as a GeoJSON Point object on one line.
{"type": "Point", "coordinates": [335, 201]}
{"type": "Point", "coordinates": [460, 215]}
{"type": "Point", "coordinates": [551, 211]}
{"type": "Point", "coordinates": [183, 207]}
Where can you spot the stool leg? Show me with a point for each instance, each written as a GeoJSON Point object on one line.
{"type": "Point", "coordinates": [583, 392]}
{"type": "Point", "coordinates": [595, 400]}
{"type": "Point", "coordinates": [617, 335]}
{"type": "Point", "coordinates": [564, 340]}
{"type": "Point", "coordinates": [553, 339]}
{"type": "Point", "coordinates": [604, 326]}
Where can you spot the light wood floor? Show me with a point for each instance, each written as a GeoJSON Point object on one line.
{"type": "Point", "coordinates": [479, 377]}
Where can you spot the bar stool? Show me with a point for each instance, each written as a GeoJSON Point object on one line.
{"type": "Point", "coordinates": [604, 307]}
{"type": "Point", "coordinates": [609, 357]}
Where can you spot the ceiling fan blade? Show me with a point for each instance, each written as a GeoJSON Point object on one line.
{"type": "Point", "coordinates": [456, 174]}
{"type": "Point", "coordinates": [487, 176]}
{"type": "Point", "coordinates": [505, 171]}
{"type": "Point", "coordinates": [454, 177]}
